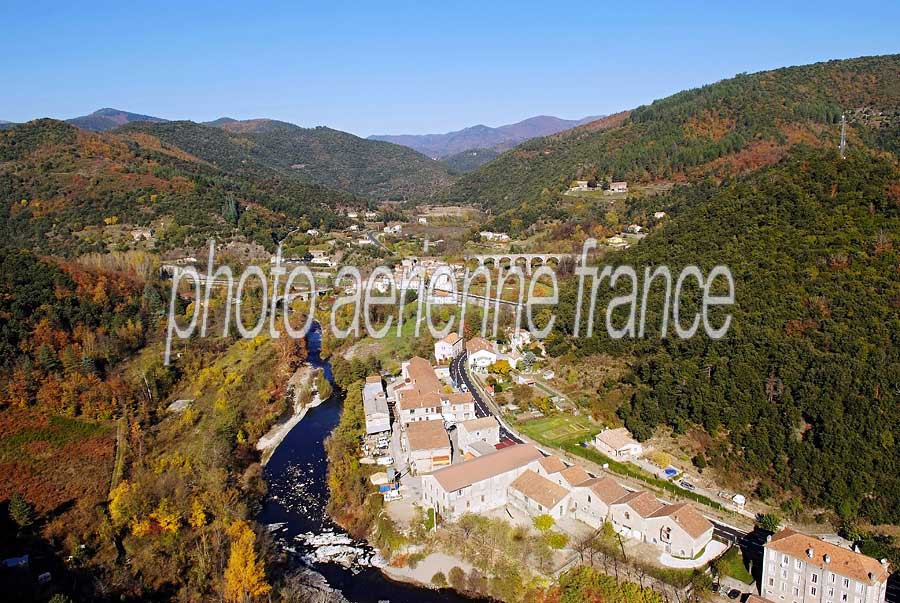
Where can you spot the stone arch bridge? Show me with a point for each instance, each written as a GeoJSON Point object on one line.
{"type": "Point", "coordinates": [528, 261]}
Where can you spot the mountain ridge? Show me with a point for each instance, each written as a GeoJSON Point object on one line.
{"type": "Point", "coordinates": [338, 160]}
{"type": "Point", "coordinates": [719, 130]}
{"type": "Point", "coordinates": [480, 136]}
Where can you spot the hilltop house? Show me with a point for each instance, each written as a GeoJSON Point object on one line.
{"type": "Point", "coordinates": [618, 187]}
{"type": "Point", "coordinates": [497, 237]}
{"type": "Point", "coordinates": [802, 569]}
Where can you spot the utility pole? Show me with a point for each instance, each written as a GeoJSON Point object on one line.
{"type": "Point", "coordinates": [843, 136]}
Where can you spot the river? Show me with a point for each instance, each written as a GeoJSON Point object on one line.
{"type": "Point", "coordinates": [296, 477]}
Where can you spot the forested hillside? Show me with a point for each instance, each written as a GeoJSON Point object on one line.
{"type": "Point", "coordinates": [731, 127]}
{"type": "Point", "coordinates": [68, 191]}
{"type": "Point", "coordinates": [338, 160]}
{"type": "Point", "coordinates": [802, 394]}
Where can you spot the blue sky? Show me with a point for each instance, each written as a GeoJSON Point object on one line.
{"type": "Point", "coordinates": [397, 67]}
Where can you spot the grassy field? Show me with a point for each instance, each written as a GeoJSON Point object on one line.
{"type": "Point", "coordinates": [559, 430]}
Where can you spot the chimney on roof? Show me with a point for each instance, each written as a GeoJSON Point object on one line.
{"type": "Point", "coordinates": [809, 553]}
{"type": "Point", "coordinates": [884, 562]}
{"type": "Point", "coordinates": [769, 538]}
{"type": "Point", "coordinates": [827, 558]}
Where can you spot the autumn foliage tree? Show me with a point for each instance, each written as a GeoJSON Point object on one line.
{"type": "Point", "coordinates": [245, 578]}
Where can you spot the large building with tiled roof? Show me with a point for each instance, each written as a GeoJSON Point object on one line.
{"type": "Point", "coordinates": [419, 396]}
{"type": "Point", "coordinates": [521, 476]}
{"type": "Point", "coordinates": [798, 568]}
{"type": "Point", "coordinates": [427, 445]}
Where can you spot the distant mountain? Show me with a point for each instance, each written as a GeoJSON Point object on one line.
{"type": "Point", "coordinates": [107, 119]}
{"type": "Point", "coordinates": [501, 138]}
{"type": "Point", "coordinates": [6, 124]}
{"type": "Point", "coordinates": [338, 160]}
{"type": "Point", "coordinates": [467, 161]}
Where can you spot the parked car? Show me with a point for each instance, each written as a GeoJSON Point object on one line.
{"type": "Point", "coordinates": [385, 460]}
{"type": "Point", "coordinates": [687, 485]}
{"type": "Point", "coordinates": [734, 593]}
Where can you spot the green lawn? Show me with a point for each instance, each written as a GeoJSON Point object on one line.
{"type": "Point", "coordinates": [560, 429]}
{"type": "Point", "coordinates": [733, 565]}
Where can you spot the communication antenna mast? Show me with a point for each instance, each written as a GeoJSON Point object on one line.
{"type": "Point", "coordinates": [843, 136]}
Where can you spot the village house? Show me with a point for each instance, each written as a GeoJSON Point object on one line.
{"type": "Point", "coordinates": [679, 530]}
{"type": "Point", "coordinates": [352, 215]}
{"type": "Point", "coordinates": [313, 232]}
{"type": "Point", "coordinates": [802, 569]}
{"type": "Point", "coordinates": [423, 220]}
{"type": "Point", "coordinates": [628, 515]}
{"type": "Point", "coordinates": [427, 446]}
{"type": "Point", "coordinates": [618, 444]}
{"type": "Point", "coordinates": [371, 216]}
{"type": "Point", "coordinates": [537, 495]}
{"type": "Point", "coordinates": [448, 348]}
{"type": "Point", "coordinates": [480, 354]}
{"type": "Point", "coordinates": [478, 485]}
{"type": "Point", "coordinates": [591, 500]}
{"type": "Point", "coordinates": [484, 429]}
{"type": "Point", "coordinates": [375, 406]}
{"type": "Point", "coordinates": [659, 215]}
{"type": "Point", "coordinates": [394, 229]}
{"type": "Point", "coordinates": [618, 187]}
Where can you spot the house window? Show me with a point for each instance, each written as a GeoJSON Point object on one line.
{"type": "Point", "coordinates": [846, 583]}
{"type": "Point", "coordinates": [830, 592]}
{"type": "Point", "coordinates": [815, 578]}
{"type": "Point", "coordinates": [832, 578]}
{"type": "Point", "coordinates": [589, 498]}
{"type": "Point", "coordinates": [771, 581]}
{"type": "Point", "coordinates": [796, 592]}
{"type": "Point", "coordinates": [798, 564]}
{"type": "Point", "coordinates": [844, 597]}
{"type": "Point", "coordinates": [812, 591]}
{"type": "Point", "coordinates": [783, 573]}
{"type": "Point", "coordinates": [627, 516]}
{"type": "Point", "coordinates": [784, 560]}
